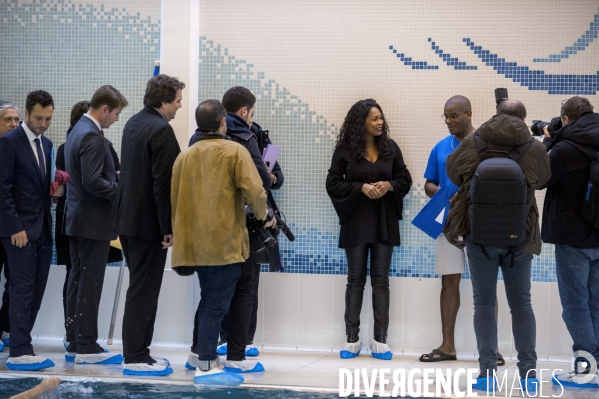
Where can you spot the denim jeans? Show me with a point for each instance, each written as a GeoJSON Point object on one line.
{"type": "Point", "coordinates": [380, 262]}
{"type": "Point", "coordinates": [217, 284]}
{"type": "Point", "coordinates": [483, 272]}
{"type": "Point", "coordinates": [578, 284]}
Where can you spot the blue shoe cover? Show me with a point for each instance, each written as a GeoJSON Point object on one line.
{"type": "Point", "coordinates": [383, 356]}
{"type": "Point", "coordinates": [351, 350]}
{"type": "Point", "coordinates": [567, 380]}
{"type": "Point", "coordinates": [1, 346]}
{"type": "Point", "coordinates": [221, 350]}
{"type": "Point", "coordinates": [148, 373]}
{"type": "Point", "coordinates": [217, 379]}
{"type": "Point", "coordinates": [348, 354]}
{"type": "Point", "coordinates": [485, 384]}
{"type": "Point", "coordinates": [69, 357]}
{"type": "Point", "coordinates": [529, 385]}
{"type": "Point", "coordinates": [251, 350]}
{"type": "Point", "coordinates": [189, 366]}
{"type": "Point", "coordinates": [258, 368]}
{"type": "Point", "coordinates": [116, 359]}
{"type": "Point", "coordinates": [6, 341]}
{"type": "Point", "coordinates": [30, 366]}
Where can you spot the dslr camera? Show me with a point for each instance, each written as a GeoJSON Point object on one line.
{"type": "Point", "coordinates": [553, 126]}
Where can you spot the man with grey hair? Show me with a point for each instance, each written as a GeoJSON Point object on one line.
{"type": "Point", "coordinates": [9, 117]}
{"type": "Point", "coordinates": [575, 237]}
{"type": "Point", "coordinates": [9, 120]}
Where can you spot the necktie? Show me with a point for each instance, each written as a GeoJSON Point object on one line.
{"type": "Point", "coordinates": [102, 132]}
{"type": "Point", "coordinates": [40, 158]}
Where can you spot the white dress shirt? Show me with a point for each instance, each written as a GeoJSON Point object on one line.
{"type": "Point", "coordinates": [32, 136]}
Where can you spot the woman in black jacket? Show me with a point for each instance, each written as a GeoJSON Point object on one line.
{"type": "Point", "coordinates": [367, 182]}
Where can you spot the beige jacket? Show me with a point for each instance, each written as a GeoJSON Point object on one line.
{"type": "Point", "coordinates": [212, 181]}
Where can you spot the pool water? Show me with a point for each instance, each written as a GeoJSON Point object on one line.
{"type": "Point", "coordinates": [113, 390]}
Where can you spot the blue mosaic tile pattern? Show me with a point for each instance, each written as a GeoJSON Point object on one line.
{"type": "Point", "coordinates": [307, 139]}
{"type": "Point", "coordinates": [535, 79]}
{"type": "Point", "coordinates": [409, 62]}
{"type": "Point", "coordinates": [580, 45]}
{"type": "Point", "coordinates": [449, 60]}
{"type": "Point", "coordinates": [71, 49]}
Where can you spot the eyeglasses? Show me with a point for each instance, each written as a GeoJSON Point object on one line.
{"type": "Point", "coordinates": [453, 117]}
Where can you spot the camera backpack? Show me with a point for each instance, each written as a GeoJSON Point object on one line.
{"type": "Point", "coordinates": [590, 203]}
{"type": "Point", "coordinates": [498, 212]}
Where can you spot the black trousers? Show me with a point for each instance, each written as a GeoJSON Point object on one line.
{"type": "Point", "coordinates": [27, 285]}
{"type": "Point", "coordinates": [86, 279]}
{"type": "Point", "coordinates": [224, 326]}
{"type": "Point", "coordinates": [4, 316]}
{"type": "Point", "coordinates": [380, 262]}
{"type": "Point", "coordinates": [146, 260]}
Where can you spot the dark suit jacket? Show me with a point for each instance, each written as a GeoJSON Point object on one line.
{"type": "Point", "coordinates": [92, 186]}
{"type": "Point", "coordinates": [148, 152]}
{"type": "Point", "coordinates": [24, 198]}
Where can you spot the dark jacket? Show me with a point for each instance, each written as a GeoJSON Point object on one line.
{"type": "Point", "coordinates": [562, 212]}
{"type": "Point", "coordinates": [148, 152]}
{"type": "Point", "coordinates": [502, 133]}
{"type": "Point", "coordinates": [92, 186]}
{"type": "Point", "coordinates": [25, 201]}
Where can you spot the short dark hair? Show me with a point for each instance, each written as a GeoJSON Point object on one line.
{"type": "Point", "coordinates": [512, 107]}
{"type": "Point", "coordinates": [77, 112]}
{"type": "Point", "coordinates": [108, 95]}
{"type": "Point", "coordinates": [162, 89]}
{"type": "Point", "coordinates": [209, 114]}
{"type": "Point", "coordinates": [576, 107]}
{"type": "Point", "coordinates": [40, 97]}
{"type": "Point", "coordinates": [238, 97]}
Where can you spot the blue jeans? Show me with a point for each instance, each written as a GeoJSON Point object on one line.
{"type": "Point", "coordinates": [578, 284]}
{"type": "Point", "coordinates": [483, 272]}
{"type": "Point", "coordinates": [217, 284]}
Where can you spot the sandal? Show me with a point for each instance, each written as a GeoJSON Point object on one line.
{"type": "Point", "coordinates": [500, 360]}
{"type": "Point", "coordinates": [441, 356]}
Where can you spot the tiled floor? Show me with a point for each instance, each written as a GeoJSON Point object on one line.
{"type": "Point", "coordinates": [315, 371]}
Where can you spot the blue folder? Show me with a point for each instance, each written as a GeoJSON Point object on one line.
{"type": "Point", "coordinates": [431, 219]}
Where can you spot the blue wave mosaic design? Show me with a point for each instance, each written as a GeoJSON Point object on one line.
{"type": "Point", "coordinates": [580, 45]}
{"type": "Point", "coordinates": [449, 60]}
{"type": "Point", "coordinates": [307, 141]}
{"type": "Point", "coordinates": [537, 80]}
{"type": "Point", "coordinates": [411, 63]}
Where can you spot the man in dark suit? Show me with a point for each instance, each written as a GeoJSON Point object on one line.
{"type": "Point", "coordinates": [88, 209]}
{"type": "Point", "coordinates": [26, 220]}
{"type": "Point", "coordinates": [9, 120]}
{"type": "Point", "coordinates": [143, 216]}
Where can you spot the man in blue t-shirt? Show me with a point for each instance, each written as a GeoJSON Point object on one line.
{"type": "Point", "coordinates": [449, 259]}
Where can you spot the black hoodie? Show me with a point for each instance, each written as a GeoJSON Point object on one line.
{"type": "Point", "coordinates": [562, 212]}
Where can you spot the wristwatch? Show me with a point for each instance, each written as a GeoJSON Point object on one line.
{"type": "Point", "coordinates": [274, 183]}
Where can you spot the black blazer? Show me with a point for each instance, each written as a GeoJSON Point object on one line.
{"type": "Point", "coordinates": [148, 152]}
{"type": "Point", "coordinates": [92, 186]}
{"type": "Point", "coordinates": [24, 197]}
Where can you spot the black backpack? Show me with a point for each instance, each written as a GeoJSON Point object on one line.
{"type": "Point", "coordinates": [498, 212]}
{"type": "Point", "coordinates": [590, 203]}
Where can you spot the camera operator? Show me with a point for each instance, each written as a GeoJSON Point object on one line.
{"type": "Point", "coordinates": [576, 241]}
{"type": "Point", "coordinates": [212, 180]}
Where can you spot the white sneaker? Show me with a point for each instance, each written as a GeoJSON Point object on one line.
{"type": "Point", "coordinates": [28, 363]}
{"type": "Point", "coordinates": [243, 366]}
{"type": "Point", "coordinates": [146, 369]}
{"type": "Point", "coordinates": [216, 376]}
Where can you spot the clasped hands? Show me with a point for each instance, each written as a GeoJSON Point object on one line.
{"type": "Point", "coordinates": [376, 190]}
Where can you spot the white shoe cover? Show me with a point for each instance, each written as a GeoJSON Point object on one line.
{"type": "Point", "coordinates": [216, 376]}
{"type": "Point", "coordinates": [99, 358]}
{"type": "Point", "coordinates": [144, 369]}
{"type": "Point", "coordinates": [380, 350]}
{"type": "Point", "coordinates": [352, 347]}
{"type": "Point", "coordinates": [27, 363]}
{"type": "Point", "coordinates": [243, 366]}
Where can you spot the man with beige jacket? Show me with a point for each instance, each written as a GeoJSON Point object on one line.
{"type": "Point", "coordinates": [212, 182]}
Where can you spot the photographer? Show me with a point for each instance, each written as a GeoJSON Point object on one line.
{"type": "Point", "coordinates": [576, 240]}
{"type": "Point", "coordinates": [212, 180]}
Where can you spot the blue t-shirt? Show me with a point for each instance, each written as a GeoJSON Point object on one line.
{"type": "Point", "coordinates": [435, 169]}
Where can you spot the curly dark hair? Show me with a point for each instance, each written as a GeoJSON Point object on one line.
{"type": "Point", "coordinates": [162, 89]}
{"type": "Point", "coordinates": [353, 131]}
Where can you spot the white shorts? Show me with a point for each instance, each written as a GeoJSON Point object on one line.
{"type": "Point", "coordinates": [449, 258]}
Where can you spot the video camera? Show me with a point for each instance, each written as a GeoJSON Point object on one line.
{"type": "Point", "coordinates": [265, 235]}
